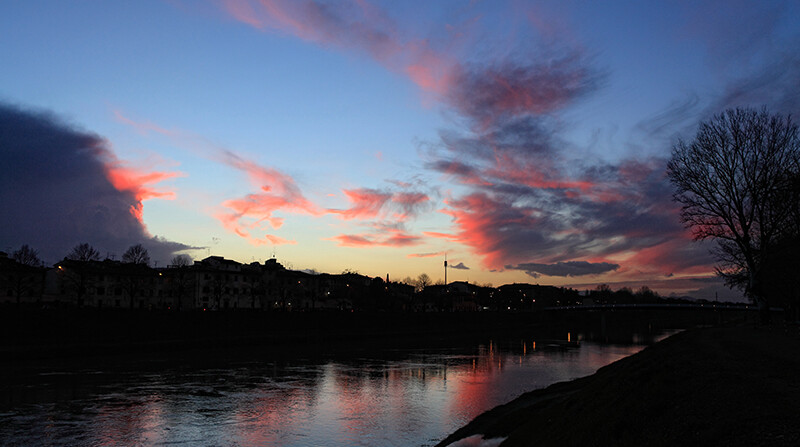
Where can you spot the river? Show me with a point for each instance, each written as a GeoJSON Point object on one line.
{"type": "Point", "coordinates": [396, 397]}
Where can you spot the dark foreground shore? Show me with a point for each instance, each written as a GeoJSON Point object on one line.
{"type": "Point", "coordinates": [725, 386]}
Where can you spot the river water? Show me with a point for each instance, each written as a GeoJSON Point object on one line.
{"type": "Point", "coordinates": [398, 397]}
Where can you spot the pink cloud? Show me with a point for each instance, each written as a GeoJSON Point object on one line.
{"type": "Point", "coordinates": [466, 174]}
{"type": "Point", "coordinates": [399, 238]}
{"type": "Point", "coordinates": [432, 72]}
{"type": "Point", "coordinates": [344, 24]}
{"type": "Point", "coordinates": [242, 11]}
{"type": "Point", "coordinates": [241, 216]}
{"type": "Point", "coordinates": [539, 86]}
{"type": "Point", "coordinates": [358, 26]}
{"type": "Point", "coordinates": [232, 222]}
{"type": "Point", "coordinates": [672, 257]}
{"type": "Point", "coordinates": [410, 199]}
{"type": "Point", "coordinates": [480, 92]}
{"type": "Point", "coordinates": [389, 238]}
{"type": "Point", "coordinates": [140, 181]}
{"type": "Point", "coordinates": [535, 175]}
{"type": "Point", "coordinates": [481, 222]}
{"type": "Point", "coordinates": [409, 204]}
{"type": "Point", "coordinates": [367, 203]}
{"type": "Point", "coordinates": [372, 203]}
{"type": "Point", "coordinates": [278, 189]}
{"type": "Point", "coordinates": [526, 203]}
{"type": "Point", "coordinates": [278, 192]}
{"type": "Point", "coordinates": [426, 255]}
{"type": "Point", "coordinates": [277, 240]}
{"type": "Point", "coordinates": [438, 235]}
{"type": "Point", "coordinates": [353, 240]}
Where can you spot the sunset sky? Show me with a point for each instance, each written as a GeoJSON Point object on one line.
{"type": "Point", "coordinates": [525, 140]}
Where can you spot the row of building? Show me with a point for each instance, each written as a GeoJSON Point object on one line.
{"type": "Point", "coordinates": [216, 283]}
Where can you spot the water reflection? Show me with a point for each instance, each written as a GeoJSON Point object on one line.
{"type": "Point", "coordinates": [413, 397]}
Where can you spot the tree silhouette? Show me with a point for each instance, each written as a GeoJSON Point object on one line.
{"type": "Point", "coordinates": [76, 276]}
{"type": "Point", "coordinates": [136, 254]}
{"type": "Point", "coordinates": [423, 281]}
{"type": "Point", "coordinates": [134, 272]}
{"type": "Point", "coordinates": [220, 287]}
{"type": "Point", "coordinates": [180, 279]}
{"type": "Point", "coordinates": [181, 261]}
{"type": "Point", "coordinates": [84, 252]}
{"type": "Point", "coordinates": [736, 182]}
{"type": "Point", "coordinates": [24, 276]}
{"type": "Point", "coordinates": [602, 294]}
{"type": "Point", "coordinates": [27, 256]}
{"type": "Point", "coordinates": [76, 270]}
{"type": "Point", "coordinates": [132, 278]}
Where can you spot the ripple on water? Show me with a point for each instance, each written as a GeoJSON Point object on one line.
{"type": "Point", "coordinates": [409, 399]}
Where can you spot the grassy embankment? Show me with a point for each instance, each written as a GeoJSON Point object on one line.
{"type": "Point", "coordinates": [725, 386]}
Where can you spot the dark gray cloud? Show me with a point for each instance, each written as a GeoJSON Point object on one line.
{"type": "Point", "coordinates": [55, 191]}
{"type": "Point", "coordinates": [517, 135]}
{"type": "Point", "coordinates": [600, 210]}
{"type": "Point", "coordinates": [531, 85]}
{"type": "Point", "coordinates": [569, 268]}
{"type": "Point", "coordinates": [529, 201]}
{"type": "Point", "coordinates": [459, 266]}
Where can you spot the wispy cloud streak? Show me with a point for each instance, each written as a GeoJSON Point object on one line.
{"type": "Point", "coordinates": [524, 201]}
{"type": "Point", "coordinates": [349, 26]}
{"type": "Point", "coordinates": [370, 203]}
{"type": "Point", "coordinates": [386, 238]}
{"type": "Point", "coordinates": [278, 192]}
{"type": "Point", "coordinates": [249, 216]}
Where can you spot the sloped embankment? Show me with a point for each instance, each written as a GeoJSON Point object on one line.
{"type": "Point", "coordinates": [731, 386]}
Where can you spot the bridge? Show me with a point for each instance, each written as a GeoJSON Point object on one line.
{"type": "Point", "coordinates": [643, 306]}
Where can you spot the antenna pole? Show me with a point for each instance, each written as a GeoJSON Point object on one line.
{"type": "Point", "coordinates": [445, 272]}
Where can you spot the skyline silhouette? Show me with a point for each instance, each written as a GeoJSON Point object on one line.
{"type": "Point", "coordinates": [526, 142]}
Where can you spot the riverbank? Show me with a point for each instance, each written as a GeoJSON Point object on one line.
{"type": "Point", "coordinates": [731, 386]}
{"type": "Point", "coordinates": [47, 335]}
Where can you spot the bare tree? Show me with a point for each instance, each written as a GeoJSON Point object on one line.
{"type": "Point", "coordinates": [84, 252]}
{"type": "Point", "coordinates": [181, 261]}
{"type": "Point", "coordinates": [423, 281]}
{"type": "Point", "coordinates": [735, 184]}
{"type": "Point", "coordinates": [132, 284]}
{"type": "Point", "coordinates": [220, 287]}
{"type": "Point", "coordinates": [77, 277]}
{"type": "Point", "coordinates": [24, 276]}
{"type": "Point", "coordinates": [77, 270]}
{"type": "Point", "coordinates": [136, 254]}
{"type": "Point", "coordinates": [180, 279]}
{"type": "Point", "coordinates": [27, 256]}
